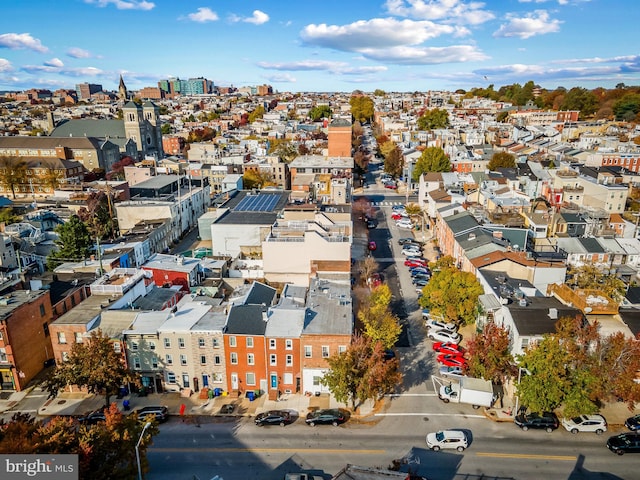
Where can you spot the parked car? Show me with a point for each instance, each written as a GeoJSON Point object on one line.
{"type": "Point", "coordinates": [94, 417]}
{"type": "Point", "coordinates": [441, 324]}
{"type": "Point", "coordinates": [633, 423]}
{"type": "Point", "coordinates": [624, 443]}
{"type": "Point", "coordinates": [372, 245]}
{"type": "Point", "coordinates": [443, 336]}
{"type": "Point", "coordinates": [227, 408]}
{"type": "Point", "coordinates": [375, 280]}
{"type": "Point", "coordinates": [273, 417]}
{"type": "Point", "coordinates": [405, 240]}
{"type": "Point", "coordinates": [371, 224]}
{"type": "Point", "coordinates": [404, 224]}
{"type": "Point", "coordinates": [399, 215]}
{"type": "Point", "coordinates": [446, 347]}
{"type": "Point", "coordinates": [447, 439]}
{"type": "Point", "coordinates": [326, 416]}
{"type": "Point", "coordinates": [161, 413]}
{"type": "Point", "coordinates": [451, 360]}
{"type": "Point", "coordinates": [426, 313]}
{"type": "Point", "coordinates": [420, 282]}
{"type": "Point", "coordinates": [585, 423]}
{"type": "Point", "coordinates": [390, 185]}
{"type": "Point", "coordinates": [415, 262]}
{"type": "Point", "coordinates": [396, 208]}
{"type": "Point", "coordinates": [455, 372]}
{"type": "Point", "coordinates": [419, 271]}
{"type": "Point", "coordinates": [547, 420]}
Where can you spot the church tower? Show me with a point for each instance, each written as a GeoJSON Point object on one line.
{"type": "Point", "coordinates": [122, 90]}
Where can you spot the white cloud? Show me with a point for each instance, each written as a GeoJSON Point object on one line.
{"type": "Point", "coordinates": [448, 11]}
{"type": "Point", "coordinates": [5, 65]}
{"type": "Point", "coordinates": [203, 15]}
{"type": "Point", "coordinates": [78, 53]}
{"type": "Point", "coordinates": [54, 62]}
{"type": "Point", "coordinates": [560, 2]}
{"type": "Point", "coordinates": [426, 55]}
{"type": "Point", "coordinates": [280, 78]}
{"type": "Point", "coordinates": [124, 4]}
{"type": "Point", "coordinates": [342, 68]}
{"type": "Point", "coordinates": [534, 23]}
{"type": "Point", "coordinates": [258, 18]}
{"type": "Point", "coordinates": [375, 33]}
{"type": "Point", "coordinates": [17, 41]}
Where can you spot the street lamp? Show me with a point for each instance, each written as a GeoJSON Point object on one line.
{"type": "Point", "coordinates": [144, 429]}
{"type": "Point", "coordinates": [520, 370]}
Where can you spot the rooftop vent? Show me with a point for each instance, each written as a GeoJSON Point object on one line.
{"type": "Point", "coordinates": [553, 313]}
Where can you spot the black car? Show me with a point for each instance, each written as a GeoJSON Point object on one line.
{"type": "Point", "coordinates": [161, 413]}
{"type": "Point", "coordinates": [404, 241]}
{"type": "Point", "coordinates": [273, 417]}
{"type": "Point", "coordinates": [92, 418]}
{"type": "Point", "coordinates": [633, 423]}
{"type": "Point", "coordinates": [624, 443]}
{"type": "Point", "coordinates": [371, 224]}
{"type": "Point", "coordinates": [227, 408]}
{"type": "Point", "coordinates": [327, 416]}
{"type": "Point", "coordinates": [547, 420]}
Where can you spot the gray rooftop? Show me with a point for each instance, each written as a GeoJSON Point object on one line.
{"type": "Point", "coordinates": [329, 309]}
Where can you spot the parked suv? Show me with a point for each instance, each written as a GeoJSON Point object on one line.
{"type": "Point", "coordinates": [161, 413]}
{"type": "Point", "coordinates": [623, 443]}
{"type": "Point", "coordinates": [546, 420]}
{"type": "Point", "coordinates": [447, 439]}
{"type": "Point", "coordinates": [585, 423]}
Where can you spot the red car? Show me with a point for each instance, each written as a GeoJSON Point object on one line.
{"type": "Point", "coordinates": [413, 262]}
{"type": "Point", "coordinates": [449, 360]}
{"type": "Point", "coordinates": [372, 245]}
{"type": "Point", "coordinates": [397, 216]}
{"type": "Point", "coordinates": [375, 280]}
{"type": "Point", "coordinates": [448, 347]}
{"type": "Point", "coordinates": [392, 186]}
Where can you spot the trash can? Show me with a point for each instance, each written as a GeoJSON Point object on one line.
{"type": "Point", "coordinates": [217, 392]}
{"type": "Point", "coordinates": [251, 396]}
{"type": "Point", "coordinates": [210, 394]}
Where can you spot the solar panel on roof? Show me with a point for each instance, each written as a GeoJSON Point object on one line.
{"type": "Point", "coordinates": [262, 202]}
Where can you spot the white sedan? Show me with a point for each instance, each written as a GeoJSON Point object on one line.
{"type": "Point", "coordinates": [411, 252]}
{"type": "Point", "coordinates": [443, 336]}
{"type": "Point", "coordinates": [440, 324]}
{"type": "Point", "coordinates": [447, 439]}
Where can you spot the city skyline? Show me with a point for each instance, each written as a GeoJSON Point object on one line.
{"type": "Point", "coordinates": [393, 45]}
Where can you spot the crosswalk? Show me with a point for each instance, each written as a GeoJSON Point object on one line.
{"type": "Point", "coordinates": [386, 204]}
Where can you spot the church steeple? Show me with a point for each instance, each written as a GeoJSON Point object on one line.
{"type": "Point", "coordinates": [122, 90]}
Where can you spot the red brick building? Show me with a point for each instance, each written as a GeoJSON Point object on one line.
{"type": "Point", "coordinates": [25, 342]}
{"type": "Point", "coordinates": [339, 138]}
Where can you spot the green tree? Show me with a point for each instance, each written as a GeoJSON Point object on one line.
{"type": "Point", "coordinates": [165, 128]}
{"type": "Point", "coordinates": [361, 108]}
{"type": "Point", "coordinates": [432, 159]}
{"type": "Point", "coordinates": [590, 277]}
{"type": "Point", "coordinates": [285, 150]}
{"type": "Point", "coordinates": [379, 93]}
{"type": "Point", "coordinates": [97, 215]}
{"type": "Point", "coordinates": [256, 114]}
{"type": "Point", "coordinates": [489, 354]}
{"type": "Point", "coordinates": [452, 294]}
{"type": "Point", "coordinates": [433, 119]}
{"type": "Point", "coordinates": [93, 364]}
{"type": "Point", "coordinates": [387, 147]}
{"type": "Point", "coordinates": [580, 99]}
{"type": "Point", "coordinates": [361, 373]}
{"type": "Point", "coordinates": [627, 107]}
{"type": "Point", "coordinates": [380, 324]}
{"type": "Point", "coordinates": [394, 162]}
{"type": "Point", "coordinates": [13, 172]}
{"type": "Point", "coordinates": [8, 216]}
{"type": "Point", "coordinates": [501, 160]}
{"type": "Point", "coordinates": [319, 112]}
{"type": "Point", "coordinates": [73, 244]}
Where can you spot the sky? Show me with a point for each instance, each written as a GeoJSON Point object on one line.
{"type": "Point", "coordinates": [325, 46]}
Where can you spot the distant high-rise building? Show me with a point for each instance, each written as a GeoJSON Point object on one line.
{"type": "Point", "coordinates": [192, 86]}
{"type": "Point", "coordinates": [85, 90]}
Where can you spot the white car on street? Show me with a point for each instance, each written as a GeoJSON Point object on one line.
{"type": "Point", "coordinates": [585, 423]}
{"type": "Point", "coordinates": [443, 335]}
{"type": "Point", "coordinates": [454, 372]}
{"type": "Point", "coordinates": [411, 252]}
{"type": "Point", "coordinates": [404, 224]}
{"type": "Point", "coordinates": [440, 324]}
{"type": "Point", "coordinates": [447, 439]}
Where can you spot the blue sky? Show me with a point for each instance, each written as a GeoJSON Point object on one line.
{"type": "Point", "coordinates": [331, 45]}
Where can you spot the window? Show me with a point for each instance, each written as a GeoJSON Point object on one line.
{"type": "Point", "coordinates": [65, 356]}
{"type": "Point", "coordinates": [525, 343]}
{"type": "Point", "coordinates": [171, 377]}
{"type": "Point", "coordinates": [116, 347]}
{"type": "Point", "coordinates": [136, 363]}
{"type": "Point", "coordinates": [78, 336]}
{"type": "Point", "coordinates": [216, 343]}
{"type": "Point", "coordinates": [273, 359]}
{"type": "Point", "coordinates": [307, 351]}
{"type": "Point", "coordinates": [1, 336]}
{"type": "Point", "coordinates": [203, 359]}
{"type": "Point", "coordinates": [168, 359]}
{"type": "Point", "coordinates": [288, 379]}
{"type": "Point", "coordinates": [342, 348]}
{"type": "Point", "coordinates": [316, 381]}
{"type": "Point", "coordinates": [167, 343]}
{"type": "Point", "coordinates": [249, 342]}
{"type": "Point", "coordinates": [289, 360]}
{"type": "Point", "coordinates": [325, 351]}
{"type": "Point", "coordinates": [3, 354]}
{"type": "Point", "coordinates": [152, 345]}
{"type": "Point", "coordinates": [154, 362]}
{"type": "Point", "coordinates": [272, 343]}
{"type": "Point", "coordinates": [62, 338]}
{"type": "Point", "coordinates": [232, 341]}
{"type": "Point", "coordinates": [250, 359]}
{"type": "Point", "coordinates": [251, 378]}
{"type": "Point", "coordinates": [201, 342]}
{"type": "Point", "coordinates": [181, 342]}
{"type": "Point", "coordinates": [217, 360]}
{"type": "Point", "coordinates": [288, 344]}
{"type": "Point", "coordinates": [183, 359]}
{"type": "Point", "coordinates": [42, 310]}
{"type": "Point", "coordinates": [234, 358]}
{"type": "Point", "coordinates": [134, 345]}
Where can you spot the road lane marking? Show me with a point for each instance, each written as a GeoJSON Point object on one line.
{"type": "Point", "coordinates": [563, 458]}
{"type": "Point", "coordinates": [464, 415]}
{"type": "Point", "coordinates": [266, 450]}
{"type": "Point", "coordinates": [393, 395]}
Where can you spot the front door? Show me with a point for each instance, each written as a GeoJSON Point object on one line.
{"type": "Point", "coordinates": [234, 381]}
